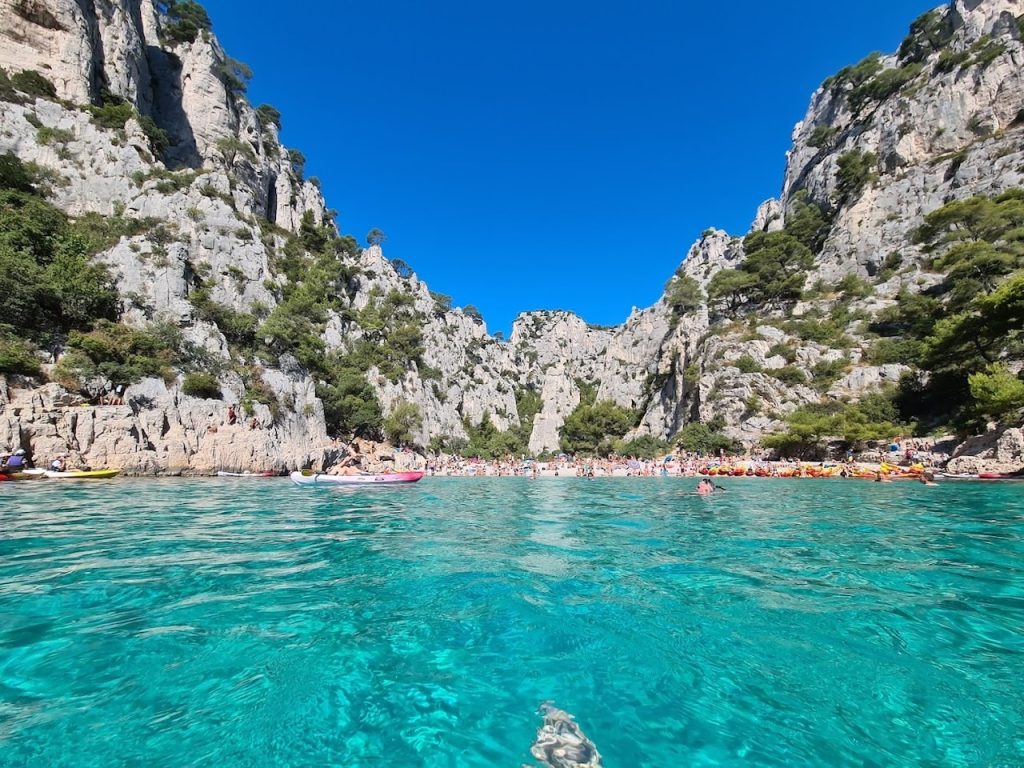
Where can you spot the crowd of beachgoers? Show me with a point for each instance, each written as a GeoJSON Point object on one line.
{"type": "Point", "coordinates": [887, 464]}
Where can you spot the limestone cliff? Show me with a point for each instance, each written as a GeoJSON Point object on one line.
{"type": "Point", "coordinates": [147, 124]}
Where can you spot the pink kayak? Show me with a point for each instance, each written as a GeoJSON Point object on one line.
{"type": "Point", "coordinates": [315, 478]}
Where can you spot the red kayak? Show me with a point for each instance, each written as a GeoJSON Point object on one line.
{"type": "Point", "coordinates": [1018, 475]}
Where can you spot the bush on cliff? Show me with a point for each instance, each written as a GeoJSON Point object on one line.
{"type": "Point", "coordinates": [113, 353]}
{"type": "Point", "coordinates": [351, 407]}
{"type": "Point", "coordinates": [184, 20]}
{"type": "Point", "coordinates": [856, 171]}
{"type": "Point", "coordinates": [17, 356]}
{"type": "Point", "coordinates": [775, 269]}
{"type": "Point", "coordinates": [873, 418]}
{"type": "Point", "coordinates": [402, 424]}
{"type": "Point", "coordinates": [976, 317]}
{"type": "Point", "coordinates": [683, 295]}
{"type": "Point", "coordinates": [997, 392]}
{"type": "Point", "coordinates": [203, 385]}
{"type": "Point", "coordinates": [49, 283]}
{"type": "Point", "coordinates": [31, 83]}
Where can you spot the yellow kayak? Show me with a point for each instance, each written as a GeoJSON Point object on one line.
{"type": "Point", "coordinates": [85, 474]}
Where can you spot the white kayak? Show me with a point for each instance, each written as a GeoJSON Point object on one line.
{"type": "Point", "coordinates": [315, 478]}
{"type": "Point", "coordinates": [245, 474]}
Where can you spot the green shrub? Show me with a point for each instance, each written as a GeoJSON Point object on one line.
{"type": "Point", "coordinates": [113, 352]}
{"type": "Point", "coordinates": [158, 140]}
{"type": "Point", "coordinates": [31, 83]}
{"type": "Point", "coordinates": [887, 351]}
{"type": "Point", "coordinates": [853, 286]}
{"type": "Point", "coordinates": [828, 332]}
{"type": "Point", "coordinates": [593, 429]}
{"type": "Point", "coordinates": [48, 281]}
{"type": "Point", "coordinates": [883, 85]}
{"type": "Point", "coordinates": [17, 356]}
{"type": "Point", "coordinates": [644, 447]}
{"type": "Point", "coordinates": [706, 439]}
{"type": "Point", "coordinates": [257, 391]}
{"type": "Point", "coordinates": [239, 328]}
{"type": "Point", "coordinates": [747, 364]}
{"type": "Point", "coordinates": [855, 75]}
{"type": "Point", "coordinates": [998, 394]}
{"type": "Point", "coordinates": [15, 174]}
{"type": "Point", "coordinates": [184, 20]}
{"type": "Point", "coordinates": [268, 115]}
{"type": "Point", "coordinates": [790, 375]}
{"type": "Point", "coordinates": [822, 136]}
{"type": "Point", "coordinates": [807, 223]}
{"type": "Point", "coordinates": [202, 385]}
{"type": "Point", "coordinates": [402, 423]}
{"type": "Point", "coordinates": [825, 373]}
{"type": "Point", "coordinates": [7, 90]}
{"type": "Point", "coordinates": [949, 60]}
{"type": "Point", "coordinates": [856, 171]}
{"type": "Point", "coordinates": [297, 161]}
{"type": "Point", "coordinates": [47, 136]}
{"type": "Point", "coordinates": [890, 264]}
{"type": "Point", "coordinates": [236, 75]}
{"type": "Point", "coordinates": [683, 294]}
{"type": "Point", "coordinates": [930, 32]}
{"type": "Point", "coordinates": [112, 114]}
{"type": "Point", "coordinates": [783, 350]}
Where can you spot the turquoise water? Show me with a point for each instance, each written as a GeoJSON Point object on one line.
{"type": "Point", "coordinates": [255, 623]}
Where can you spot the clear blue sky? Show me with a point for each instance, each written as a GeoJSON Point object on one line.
{"type": "Point", "coordinates": [548, 155]}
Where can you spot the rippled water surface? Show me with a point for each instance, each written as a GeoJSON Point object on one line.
{"type": "Point", "coordinates": [255, 623]}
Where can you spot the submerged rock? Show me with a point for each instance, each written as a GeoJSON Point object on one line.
{"type": "Point", "coordinates": [561, 744]}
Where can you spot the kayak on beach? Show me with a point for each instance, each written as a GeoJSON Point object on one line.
{"type": "Point", "coordinates": [1018, 475]}
{"type": "Point", "coordinates": [25, 474]}
{"type": "Point", "coordinates": [84, 474]}
{"type": "Point", "coordinates": [315, 478]}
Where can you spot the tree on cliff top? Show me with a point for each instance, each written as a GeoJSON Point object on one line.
{"type": "Point", "coordinates": [185, 20]}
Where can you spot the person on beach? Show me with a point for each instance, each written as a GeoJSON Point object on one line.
{"type": "Point", "coordinates": [18, 461]}
{"type": "Point", "coordinates": [232, 416]}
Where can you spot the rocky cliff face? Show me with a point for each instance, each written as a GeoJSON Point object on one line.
{"type": "Point", "coordinates": [216, 208]}
{"type": "Point", "coordinates": [941, 120]}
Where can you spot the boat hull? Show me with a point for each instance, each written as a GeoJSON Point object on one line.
{"type": "Point", "coordinates": [85, 474]}
{"type": "Point", "coordinates": [396, 478]}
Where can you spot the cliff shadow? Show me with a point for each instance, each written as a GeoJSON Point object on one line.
{"type": "Point", "coordinates": [165, 72]}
